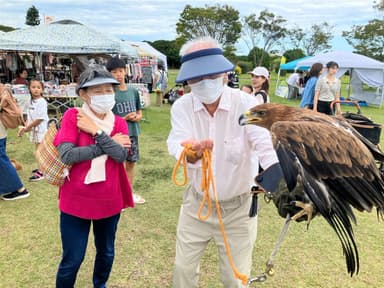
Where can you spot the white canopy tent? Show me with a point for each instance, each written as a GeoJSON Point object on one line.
{"type": "Point", "coordinates": [282, 90]}
{"type": "Point", "coordinates": [64, 37]}
{"type": "Point", "coordinates": [362, 70]}
{"type": "Point", "coordinates": [152, 51]}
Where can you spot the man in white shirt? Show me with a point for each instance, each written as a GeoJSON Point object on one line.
{"type": "Point", "coordinates": [294, 84]}
{"type": "Point", "coordinates": [207, 118]}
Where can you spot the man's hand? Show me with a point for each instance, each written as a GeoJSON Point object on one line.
{"type": "Point", "coordinates": [198, 147]}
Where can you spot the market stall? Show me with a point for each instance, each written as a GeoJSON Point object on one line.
{"type": "Point", "coordinates": [53, 48]}
{"type": "Point", "coordinates": [56, 53]}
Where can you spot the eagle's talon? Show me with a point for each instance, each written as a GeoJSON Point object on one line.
{"type": "Point", "coordinates": [307, 209]}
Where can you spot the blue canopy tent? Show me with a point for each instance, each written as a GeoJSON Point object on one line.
{"type": "Point", "coordinates": [283, 90]}
{"type": "Point", "coordinates": [292, 65]}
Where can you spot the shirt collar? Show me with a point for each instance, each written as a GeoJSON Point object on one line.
{"type": "Point", "coordinates": [225, 101]}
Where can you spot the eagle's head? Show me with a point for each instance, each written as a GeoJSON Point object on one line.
{"type": "Point", "coordinates": [265, 115]}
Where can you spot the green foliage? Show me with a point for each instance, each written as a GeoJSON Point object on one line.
{"type": "Point", "coordinates": [245, 66]}
{"type": "Point", "coordinates": [229, 52]}
{"type": "Point", "coordinates": [313, 40]}
{"type": "Point", "coordinates": [145, 241]}
{"type": "Point", "coordinates": [266, 31]}
{"type": "Point", "coordinates": [367, 39]}
{"type": "Point", "coordinates": [32, 18]}
{"type": "Point", "coordinates": [293, 54]}
{"type": "Point", "coordinates": [169, 48]}
{"type": "Point", "coordinates": [220, 22]}
{"type": "Point", "coordinates": [379, 5]}
{"type": "Point", "coordinates": [263, 56]}
{"type": "Point", "coordinates": [6, 28]}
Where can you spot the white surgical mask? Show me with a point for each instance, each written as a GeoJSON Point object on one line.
{"type": "Point", "coordinates": [208, 90]}
{"type": "Point", "coordinates": [102, 103]}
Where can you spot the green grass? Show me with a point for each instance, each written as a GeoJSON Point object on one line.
{"type": "Point", "coordinates": [30, 247]}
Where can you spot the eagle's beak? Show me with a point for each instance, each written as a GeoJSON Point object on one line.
{"type": "Point", "coordinates": [243, 120]}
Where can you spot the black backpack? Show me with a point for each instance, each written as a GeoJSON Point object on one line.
{"type": "Point", "coordinates": [263, 94]}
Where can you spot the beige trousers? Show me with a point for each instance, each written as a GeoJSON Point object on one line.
{"type": "Point", "coordinates": [193, 236]}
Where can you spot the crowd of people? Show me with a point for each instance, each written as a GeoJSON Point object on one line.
{"type": "Point", "coordinates": [100, 140]}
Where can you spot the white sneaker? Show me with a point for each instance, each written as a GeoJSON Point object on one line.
{"type": "Point", "coordinates": [138, 199]}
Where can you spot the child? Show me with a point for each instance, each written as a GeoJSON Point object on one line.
{"type": "Point", "coordinates": [37, 120]}
{"type": "Point", "coordinates": [95, 142]}
{"type": "Point", "coordinates": [247, 88]}
{"type": "Point", "coordinates": [160, 83]}
{"type": "Point", "coordinates": [128, 106]}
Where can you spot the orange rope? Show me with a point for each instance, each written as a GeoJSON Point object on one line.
{"type": "Point", "coordinates": [207, 181]}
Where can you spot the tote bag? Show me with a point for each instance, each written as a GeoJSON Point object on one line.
{"type": "Point", "coordinates": [10, 113]}
{"type": "Point", "coordinates": [48, 158]}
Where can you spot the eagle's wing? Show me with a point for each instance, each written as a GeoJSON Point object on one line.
{"type": "Point", "coordinates": [377, 153]}
{"type": "Point", "coordinates": [336, 171]}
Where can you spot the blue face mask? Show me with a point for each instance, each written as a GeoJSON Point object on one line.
{"type": "Point", "coordinates": [102, 103]}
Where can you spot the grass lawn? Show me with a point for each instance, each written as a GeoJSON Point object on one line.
{"type": "Point", "coordinates": [31, 247]}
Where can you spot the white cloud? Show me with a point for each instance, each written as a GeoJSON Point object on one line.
{"type": "Point", "coordinates": [156, 19]}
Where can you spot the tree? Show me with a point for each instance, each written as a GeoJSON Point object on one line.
{"type": "Point", "coordinates": [6, 28]}
{"type": "Point", "coordinates": [263, 56]}
{"type": "Point", "coordinates": [220, 22]}
{"type": "Point", "coordinates": [379, 5]}
{"type": "Point", "coordinates": [170, 49]}
{"type": "Point", "coordinates": [33, 17]}
{"type": "Point", "coordinates": [265, 30]}
{"type": "Point", "coordinates": [315, 39]}
{"type": "Point", "coordinates": [367, 39]}
{"type": "Point", "coordinates": [293, 54]}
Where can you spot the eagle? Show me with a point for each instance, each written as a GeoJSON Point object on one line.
{"type": "Point", "coordinates": [329, 169]}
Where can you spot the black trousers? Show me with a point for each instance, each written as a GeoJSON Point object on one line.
{"type": "Point", "coordinates": [324, 107]}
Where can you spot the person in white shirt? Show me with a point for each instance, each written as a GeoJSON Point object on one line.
{"type": "Point", "coordinates": [207, 118]}
{"type": "Point", "coordinates": [37, 120]}
{"type": "Point", "coordinates": [327, 90]}
{"type": "Point", "coordinates": [294, 83]}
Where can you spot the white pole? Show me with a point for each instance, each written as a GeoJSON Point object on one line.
{"type": "Point", "coordinates": [278, 79]}
{"type": "Point", "coordinates": [382, 92]}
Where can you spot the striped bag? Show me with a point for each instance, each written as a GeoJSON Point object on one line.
{"type": "Point", "coordinates": [48, 158]}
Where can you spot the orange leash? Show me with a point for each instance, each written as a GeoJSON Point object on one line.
{"type": "Point", "coordinates": [206, 182]}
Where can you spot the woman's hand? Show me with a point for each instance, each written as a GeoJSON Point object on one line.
{"type": "Point", "coordinates": [85, 123]}
{"type": "Point", "coordinates": [122, 139]}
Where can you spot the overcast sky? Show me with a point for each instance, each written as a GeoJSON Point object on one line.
{"type": "Point", "coordinates": [156, 19]}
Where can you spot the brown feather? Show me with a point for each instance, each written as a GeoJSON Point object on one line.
{"type": "Point", "coordinates": [333, 166]}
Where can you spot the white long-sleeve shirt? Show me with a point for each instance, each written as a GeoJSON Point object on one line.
{"type": "Point", "coordinates": [233, 145]}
